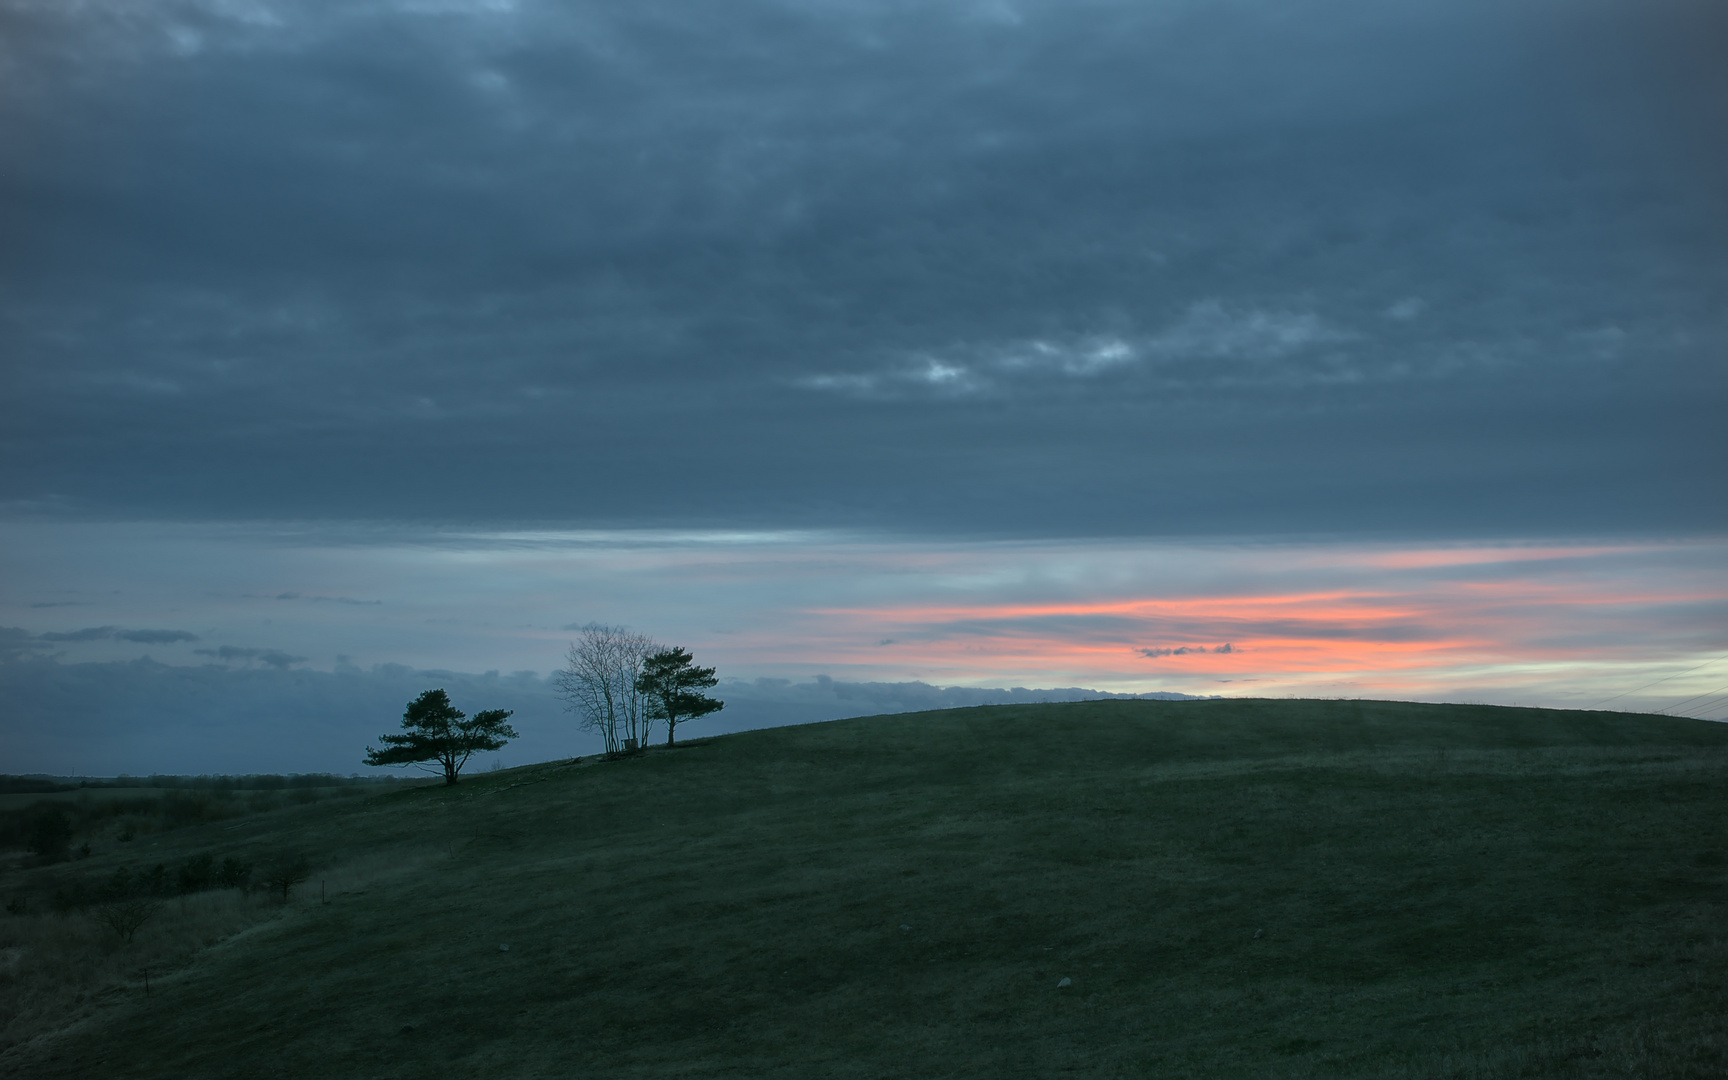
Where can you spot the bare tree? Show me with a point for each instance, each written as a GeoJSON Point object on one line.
{"type": "Point", "coordinates": [288, 871]}
{"type": "Point", "coordinates": [598, 684]}
{"type": "Point", "coordinates": [127, 915]}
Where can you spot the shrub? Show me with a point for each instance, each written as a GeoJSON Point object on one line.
{"type": "Point", "coordinates": [50, 833]}
{"type": "Point", "coordinates": [120, 885]}
{"type": "Point", "coordinates": [126, 917]}
{"type": "Point", "coordinates": [197, 873]}
{"type": "Point", "coordinates": [233, 874]}
{"type": "Point", "coordinates": [287, 873]}
{"type": "Point", "coordinates": [178, 809]}
{"type": "Point", "coordinates": [123, 884]}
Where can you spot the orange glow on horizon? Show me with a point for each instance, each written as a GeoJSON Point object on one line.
{"type": "Point", "coordinates": [1399, 633]}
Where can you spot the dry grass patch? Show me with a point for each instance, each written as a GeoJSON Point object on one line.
{"type": "Point", "coordinates": [59, 969]}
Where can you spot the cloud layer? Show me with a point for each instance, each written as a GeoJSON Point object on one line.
{"type": "Point", "coordinates": [103, 633]}
{"type": "Point", "coordinates": [1027, 268]}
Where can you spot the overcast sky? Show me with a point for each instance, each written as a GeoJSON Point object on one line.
{"type": "Point", "coordinates": [1085, 299]}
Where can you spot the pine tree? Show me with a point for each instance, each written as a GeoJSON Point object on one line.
{"type": "Point", "coordinates": [437, 731]}
{"type": "Point", "coordinates": [670, 683]}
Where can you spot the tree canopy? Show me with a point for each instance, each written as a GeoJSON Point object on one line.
{"type": "Point", "coordinates": [671, 682]}
{"type": "Point", "coordinates": [435, 730]}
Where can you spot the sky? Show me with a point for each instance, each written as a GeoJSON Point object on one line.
{"type": "Point", "coordinates": [886, 355]}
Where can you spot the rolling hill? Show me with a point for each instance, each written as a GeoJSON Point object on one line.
{"type": "Point", "coordinates": [1224, 888]}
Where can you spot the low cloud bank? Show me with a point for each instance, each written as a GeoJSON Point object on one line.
{"type": "Point", "coordinates": [142, 716]}
{"type": "Point", "coordinates": [115, 633]}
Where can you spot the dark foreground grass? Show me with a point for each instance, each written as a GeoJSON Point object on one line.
{"type": "Point", "coordinates": [1234, 888]}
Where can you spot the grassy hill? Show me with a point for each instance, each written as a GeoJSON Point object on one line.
{"type": "Point", "coordinates": [1229, 888]}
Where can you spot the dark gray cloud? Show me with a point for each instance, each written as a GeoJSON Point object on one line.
{"type": "Point", "coordinates": [115, 633]}
{"type": "Point", "coordinates": [1155, 652]}
{"type": "Point", "coordinates": [17, 643]}
{"type": "Point", "coordinates": [275, 658]}
{"type": "Point", "coordinates": [1012, 268]}
{"type": "Point", "coordinates": [89, 633]}
{"type": "Point", "coordinates": [155, 637]}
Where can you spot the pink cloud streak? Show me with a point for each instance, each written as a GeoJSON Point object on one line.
{"type": "Point", "coordinates": [1406, 631]}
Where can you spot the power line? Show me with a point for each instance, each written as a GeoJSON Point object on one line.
{"type": "Point", "coordinates": [1705, 706]}
{"type": "Point", "coordinates": [1697, 712]}
{"type": "Point", "coordinates": [1695, 697]}
{"type": "Point", "coordinates": [1658, 682]}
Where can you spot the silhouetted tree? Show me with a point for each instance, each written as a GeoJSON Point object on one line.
{"type": "Point", "coordinates": [128, 901]}
{"type": "Point", "coordinates": [598, 684]}
{"type": "Point", "coordinates": [436, 730]}
{"type": "Point", "coordinates": [671, 683]}
{"type": "Point", "coordinates": [287, 873]}
{"type": "Point", "coordinates": [126, 917]}
{"type": "Point", "coordinates": [197, 873]}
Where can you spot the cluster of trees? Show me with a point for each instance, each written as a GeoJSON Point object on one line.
{"type": "Point", "coordinates": [129, 898]}
{"type": "Point", "coordinates": [199, 873]}
{"type": "Point", "coordinates": [38, 784]}
{"type": "Point", "coordinates": [618, 683]}
{"type": "Point", "coordinates": [57, 829]}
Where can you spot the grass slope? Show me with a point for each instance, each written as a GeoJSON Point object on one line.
{"type": "Point", "coordinates": [1234, 888]}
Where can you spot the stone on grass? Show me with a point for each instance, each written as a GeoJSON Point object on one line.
{"type": "Point", "coordinates": [1065, 982]}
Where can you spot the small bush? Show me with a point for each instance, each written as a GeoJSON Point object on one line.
{"type": "Point", "coordinates": [122, 883]}
{"type": "Point", "coordinates": [288, 872]}
{"type": "Point", "coordinates": [197, 873]}
{"type": "Point", "coordinates": [50, 833]}
{"type": "Point", "coordinates": [233, 874]}
{"type": "Point", "coordinates": [126, 917]}
{"type": "Point", "coordinates": [181, 808]}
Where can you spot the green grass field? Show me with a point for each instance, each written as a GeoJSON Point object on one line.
{"type": "Point", "coordinates": [1232, 889]}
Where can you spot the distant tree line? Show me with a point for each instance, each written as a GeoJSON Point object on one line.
{"type": "Point", "coordinates": [125, 899]}
{"type": "Point", "coordinates": [44, 784]}
{"type": "Point", "coordinates": [56, 828]}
